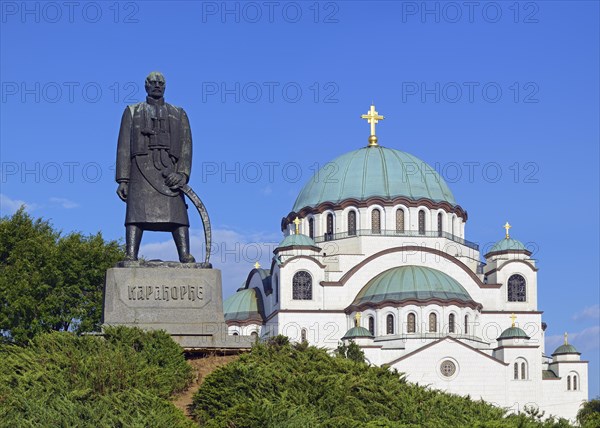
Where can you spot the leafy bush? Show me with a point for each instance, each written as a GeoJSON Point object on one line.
{"type": "Point", "coordinates": [589, 414]}
{"type": "Point", "coordinates": [284, 386]}
{"type": "Point", "coordinates": [64, 380]}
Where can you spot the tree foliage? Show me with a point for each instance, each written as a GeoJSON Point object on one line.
{"type": "Point", "coordinates": [122, 380]}
{"type": "Point", "coordinates": [589, 414]}
{"type": "Point", "coordinates": [351, 351]}
{"type": "Point", "coordinates": [283, 385]}
{"type": "Point", "coordinates": [49, 281]}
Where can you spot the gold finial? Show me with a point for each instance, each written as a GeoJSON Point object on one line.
{"type": "Point", "coordinates": [373, 118]}
{"type": "Point", "coordinates": [566, 338]}
{"type": "Point", "coordinates": [507, 226]}
{"type": "Point", "coordinates": [357, 319]}
{"type": "Point", "coordinates": [513, 317]}
{"type": "Point", "coordinates": [297, 223]}
{"type": "Point", "coordinates": [256, 265]}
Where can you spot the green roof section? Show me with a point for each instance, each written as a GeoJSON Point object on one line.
{"type": "Point", "coordinates": [513, 333]}
{"type": "Point", "coordinates": [241, 305]}
{"type": "Point", "coordinates": [565, 349]}
{"type": "Point", "coordinates": [411, 283]}
{"type": "Point", "coordinates": [357, 333]}
{"type": "Point", "coordinates": [374, 171]}
{"type": "Point", "coordinates": [508, 244]}
{"type": "Point", "coordinates": [548, 375]}
{"type": "Point", "coordinates": [297, 240]}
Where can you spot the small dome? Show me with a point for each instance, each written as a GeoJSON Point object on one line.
{"type": "Point", "coordinates": [297, 240]}
{"type": "Point", "coordinates": [412, 283]}
{"type": "Point", "coordinates": [358, 333]}
{"type": "Point", "coordinates": [508, 244]}
{"type": "Point", "coordinates": [513, 333]}
{"type": "Point", "coordinates": [243, 305]}
{"type": "Point", "coordinates": [565, 349]}
{"type": "Point", "coordinates": [374, 171]}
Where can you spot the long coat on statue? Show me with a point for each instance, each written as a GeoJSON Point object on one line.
{"type": "Point", "coordinates": [154, 140]}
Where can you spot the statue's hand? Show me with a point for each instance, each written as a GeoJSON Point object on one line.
{"type": "Point", "coordinates": [175, 180]}
{"type": "Point", "coordinates": [123, 190]}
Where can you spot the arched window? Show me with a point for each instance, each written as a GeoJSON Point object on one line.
{"type": "Point", "coordinates": [568, 383]}
{"type": "Point", "coordinates": [376, 221]}
{"type": "Point", "coordinates": [432, 322]}
{"type": "Point", "coordinates": [439, 224]}
{"type": "Point", "coordinates": [352, 223]}
{"type": "Point", "coordinates": [303, 335]}
{"type": "Point", "coordinates": [411, 323]}
{"type": "Point", "coordinates": [466, 324]}
{"type": "Point", "coordinates": [400, 221]}
{"type": "Point", "coordinates": [372, 325]}
{"type": "Point", "coordinates": [421, 222]}
{"type": "Point", "coordinates": [302, 286]}
{"type": "Point", "coordinates": [276, 287]}
{"type": "Point", "coordinates": [311, 228]}
{"type": "Point", "coordinates": [452, 224]}
{"type": "Point", "coordinates": [329, 234]}
{"type": "Point", "coordinates": [235, 333]}
{"type": "Point", "coordinates": [574, 383]}
{"type": "Point", "coordinates": [516, 288]}
{"type": "Point", "coordinates": [451, 323]}
{"type": "Point", "coordinates": [390, 324]}
{"type": "Point", "coordinates": [254, 336]}
{"type": "Point", "coordinates": [523, 371]}
{"type": "Point", "coordinates": [516, 371]}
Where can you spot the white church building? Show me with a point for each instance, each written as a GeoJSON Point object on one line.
{"type": "Point", "coordinates": [377, 253]}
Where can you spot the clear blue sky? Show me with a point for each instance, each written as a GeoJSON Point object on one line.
{"type": "Point", "coordinates": [502, 99]}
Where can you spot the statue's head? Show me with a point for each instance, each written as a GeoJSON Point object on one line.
{"type": "Point", "coordinates": [155, 85]}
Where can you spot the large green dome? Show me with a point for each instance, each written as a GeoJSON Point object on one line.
{"type": "Point", "coordinates": [412, 283]}
{"type": "Point", "coordinates": [374, 171]}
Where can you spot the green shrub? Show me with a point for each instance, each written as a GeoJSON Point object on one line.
{"type": "Point", "coordinates": [281, 385]}
{"type": "Point", "coordinates": [64, 380]}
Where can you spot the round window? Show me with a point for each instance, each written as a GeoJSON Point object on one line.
{"type": "Point", "coordinates": [448, 368]}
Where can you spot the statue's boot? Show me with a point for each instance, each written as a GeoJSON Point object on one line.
{"type": "Point", "coordinates": [133, 237]}
{"type": "Point", "coordinates": [181, 236]}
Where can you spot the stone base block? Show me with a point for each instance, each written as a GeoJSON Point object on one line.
{"type": "Point", "coordinates": [186, 303]}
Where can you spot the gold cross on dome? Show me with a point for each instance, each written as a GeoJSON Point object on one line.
{"type": "Point", "coordinates": [297, 223]}
{"type": "Point", "coordinates": [373, 118]}
{"type": "Point", "coordinates": [357, 319]}
{"type": "Point", "coordinates": [566, 338]}
{"type": "Point", "coordinates": [507, 226]}
{"type": "Point", "coordinates": [256, 265]}
{"type": "Point", "coordinates": [513, 317]}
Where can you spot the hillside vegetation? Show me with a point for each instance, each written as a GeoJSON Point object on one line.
{"type": "Point", "coordinates": [64, 380]}
{"type": "Point", "coordinates": [284, 386]}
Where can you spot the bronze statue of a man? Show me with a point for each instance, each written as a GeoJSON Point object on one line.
{"type": "Point", "coordinates": [154, 159]}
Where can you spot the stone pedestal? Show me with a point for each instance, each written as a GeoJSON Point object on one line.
{"type": "Point", "coordinates": [181, 299]}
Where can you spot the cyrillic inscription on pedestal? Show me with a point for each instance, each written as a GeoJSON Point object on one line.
{"type": "Point", "coordinates": [180, 301]}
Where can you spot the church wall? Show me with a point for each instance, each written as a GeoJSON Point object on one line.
{"type": "Point", "coordinates": [322, 329]}
{"type": "Point", "coordinates": [476, 375]}
{"type": "Point", "coordinates": [286, 290]}
{"type": "Point", "coordinates": [557, 399]}
{"type": "Point", "coordinates": [530, 276]}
